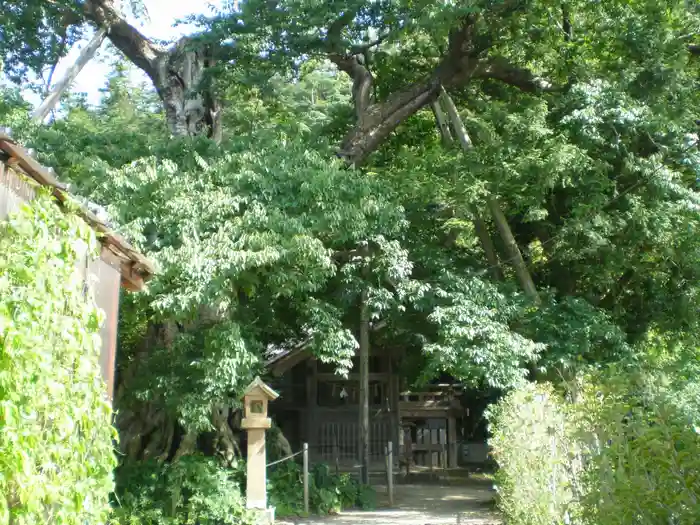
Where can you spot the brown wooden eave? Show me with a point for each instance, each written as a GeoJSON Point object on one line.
{"type": "Point", "coordinates": [135, 268]}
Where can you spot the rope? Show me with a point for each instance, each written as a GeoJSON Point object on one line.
{"type": "Point", "coordinates": [285, 458]}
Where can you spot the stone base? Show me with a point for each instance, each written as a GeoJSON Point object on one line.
{"type": "Point", "coordinates": [264, 517]}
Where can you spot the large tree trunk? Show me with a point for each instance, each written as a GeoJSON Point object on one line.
{"type": "Point", "coordinates": [190, 106]}
{"type": "Point", "coordinates": [178, 74]}
{"type": "Point", "coordinates": [148, 431]}
{"type": "Point", "coordinates": [145, 429]}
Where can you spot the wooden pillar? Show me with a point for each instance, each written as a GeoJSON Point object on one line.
{"type": "Point", "coordinates": [452, 441]}
{"type": "Point", "coordinates": [364, 387]}
{"type": "Point", "coordinates": [395, 416]}
{"type": "Point", "coordinates": [311, 426]}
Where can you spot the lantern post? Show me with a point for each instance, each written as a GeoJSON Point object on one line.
{"type": "Point", "coordinates": [255, 423]}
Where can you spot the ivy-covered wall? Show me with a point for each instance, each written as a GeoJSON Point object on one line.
{"type": "Point", "coordinates": [56, 437]}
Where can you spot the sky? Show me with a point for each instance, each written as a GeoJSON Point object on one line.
{"type": "Point", "coordinates": [163, 15]}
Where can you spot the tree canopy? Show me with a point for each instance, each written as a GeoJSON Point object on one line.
{"type": "Point", "coordinates": [297, 160]}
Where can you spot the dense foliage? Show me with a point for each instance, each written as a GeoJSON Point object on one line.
{"type": "Point", "coordinates": [329, 493]}
{"type": "Point", "coordinates": [623, 448]}
{"type": "Point", "coordinates": [193, 490]}
{"type": "Point", "coordinates": [56, 434]}
{"type": "Point", "coordinates": [555, 237]}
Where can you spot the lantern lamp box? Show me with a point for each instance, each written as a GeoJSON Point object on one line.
{"type": "Point", "coordinates": [255, 400]}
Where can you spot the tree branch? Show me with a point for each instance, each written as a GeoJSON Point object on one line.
{"type": "Point", "coordinates": [129, 40]}
{"type": "Point", "coordinates": [359, 49]}
{"type": "Point", "coordinates": [333, 38]}
{"type": "Point", "coordinates": [56, 93]}
{"type": "Point", "coordinates": [468, 43]}
{"type": "Point", "coordinates": [350, 63]}
{"type": "Point", "coordinates": [498, 68]}
{"type": "Point", "coordinates": [361, 81]}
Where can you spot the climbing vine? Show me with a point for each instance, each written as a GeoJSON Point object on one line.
{"type": "Point", "coordinates": [56, 437]}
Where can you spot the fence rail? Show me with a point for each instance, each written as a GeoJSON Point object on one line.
{"type": "Point", "coordinates": [285, 458]}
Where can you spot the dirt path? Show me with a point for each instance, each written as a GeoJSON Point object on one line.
{"type": "Point", "coordinates": [469, 504]}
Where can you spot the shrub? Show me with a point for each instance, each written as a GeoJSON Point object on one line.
{"type": "Point", "coordinates": [626, 451]}
{"type": "Point", "coordinates": [644, 451]}
{"type": "Point", "coordinates": [194, 489]}
{"type": "Point", "coordinates": [56, 437]}
{"type": "Point", "coordinates": [329, 493]}
{"type": "Point", "coordinates": [533, 444]}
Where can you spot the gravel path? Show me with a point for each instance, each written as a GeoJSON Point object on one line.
{"type": "Point", "coordinates": [469, 504]}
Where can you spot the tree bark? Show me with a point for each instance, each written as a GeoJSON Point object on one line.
{"type": "Point", "coordinates": [60, 88]}
{"type": "Point", "coordinates": [364, 388]}
{"type": "Point", "coordinates": [482, 232]}
{"type": "Point", "coordinates": [226, 443]}
{"type": "Point", "coordinates": [513, 251]}
{"type": "Point", "coordinates": [178, 74]}
{"type": "Point", "coordinates": [442, 123]}
{"type": "Point", "coordinates": [379, 120]}
{"type": "Point", "coordinates": [514, 255]}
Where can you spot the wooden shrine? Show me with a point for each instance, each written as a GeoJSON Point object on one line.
{"type": "Point", "coordinates": [318, 407]}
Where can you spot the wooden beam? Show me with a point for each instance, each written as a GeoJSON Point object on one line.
{"type": "Point", "coordinates": [424, 414]}
{"type": "Point", "coordinates": [374, 376]}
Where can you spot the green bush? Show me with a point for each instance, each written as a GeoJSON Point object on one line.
{"type": "Point", "coordinates": [56, 437]}
{"type": "Point", "coordinates": [532, 441]}
{"type": "Point", "coordinates": [626, 450]}
{"type": "Point", "coordinates": [329, 493]}
{"type": "Point", "coordinates": [644, 451]}
{"type": "Point", "coordinates": [194, 489]}
{"type": "Point", "coordinates": [366, 497]}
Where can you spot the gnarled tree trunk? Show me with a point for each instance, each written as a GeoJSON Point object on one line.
{"type": "Point", "coordinates": [178, 73]}
{"type": "Point", "coordinates": [190, 107]}
{"type": "Point", "coordinates": [465, 59]}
